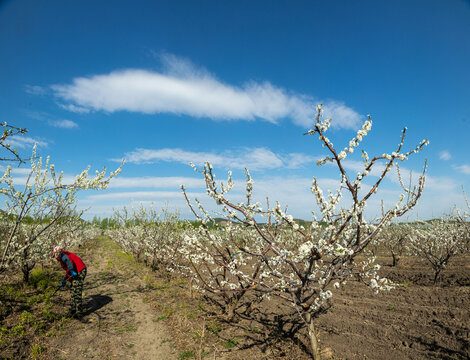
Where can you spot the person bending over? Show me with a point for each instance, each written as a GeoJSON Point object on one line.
{"type": "Point", "coordinates": [75, 273]}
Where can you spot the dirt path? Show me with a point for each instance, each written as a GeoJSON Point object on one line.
{"type": "Point", "coordinates": [119, 323]}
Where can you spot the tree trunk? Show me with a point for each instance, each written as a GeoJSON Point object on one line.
{"type": "Point", "coordinates": [26, 272]}
{"type": "Point", "coordinates": [230, 311]}
{"type": "Point", "coordinates": [313, 338]}
{"type": "Point", "coordinates": [395, 259]}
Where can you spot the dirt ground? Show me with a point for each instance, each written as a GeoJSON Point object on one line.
{"type": "Point", "coordinates": [418, 320]}
{"type": "Point", "coordinates": [133, 313]}
{"type": "Point", "coordinates": [118, 323]}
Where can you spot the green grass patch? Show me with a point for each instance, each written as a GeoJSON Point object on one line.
{"type": "Point", "coordinates": [37, 351]}
{"type": "Point", "coordinates": [18, 331]}
{"type": "Point", "coordinates": [214, 328]}
{"type": "Point", "coordinates": [230, 343]}
{"type": "Point", "coordinates": [26, 318]}
{"type": "Point", "coordinates": [126, 328]}
{"type": "Point", "coordinates": [186, 354]}
{"type": "Point", "coordinates": [125, 257]}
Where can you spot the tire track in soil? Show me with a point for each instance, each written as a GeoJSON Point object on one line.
{"type": "Point", "coordinates": [118, 323]}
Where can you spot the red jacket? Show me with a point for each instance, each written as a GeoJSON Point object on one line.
{"type": "Point", "coordinates": [75, 264]}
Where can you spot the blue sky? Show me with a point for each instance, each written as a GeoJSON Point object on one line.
{"type": "Point", "coordinates": [163, 83]}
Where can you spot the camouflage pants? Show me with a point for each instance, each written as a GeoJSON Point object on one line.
{"type": "Point", "coordinates": [76, 292]}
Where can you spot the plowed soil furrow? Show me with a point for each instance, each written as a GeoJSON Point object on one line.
{"type": "Point", "coordinates": [419, 321]}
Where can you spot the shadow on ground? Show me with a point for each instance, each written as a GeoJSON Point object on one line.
{"type": "Point", "coordinates": [96, 302]}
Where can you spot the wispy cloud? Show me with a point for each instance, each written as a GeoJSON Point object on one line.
{"type": "Point", "coordinates": [74, 108]}
{"type": "Point", "coordinates": [293, 192]}
{"type": "Point", "coordinates": [64, 124]}
{"type": "Point", "coordinates": [465, 169]}
{"type": "Point", "coordinates": [35, 90]}
{"type": "Point", "coordinates": [141, 195]}
{"type": "Point", "coordinates": [444, 155]}
{"type": "Point", "coordinates": [16, 172]}
{"type": "Point", "coordinates": [24, 142]}
{"type": "Point", "coordinates": [250, 158]}
{"type": "Point", "coordinates": [441, 184]}
{"type": "Point", "coordinates": [156, 182]}
{"type": "Point", "coordinates": [181, 88]}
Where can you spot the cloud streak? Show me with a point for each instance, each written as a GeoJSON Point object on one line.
{"type": "Point", "coordinates": [445, 155]}
{"type": "Point", "coordinates": [173, 182]}
{"type": "Point", "coordinates": [250, 158]}
{"type": "Point", "coordinates": [465, 169]}
{"type": "Point", "coordinates": [24, 142]}
{"type": "Point", "coordinates": [184, 89]}
{"type": "Point", "coordinates": [35, 90]}
{"type": "Point", "coordinates": [64, 124]}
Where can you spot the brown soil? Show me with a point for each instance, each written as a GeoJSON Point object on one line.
{"type": "Point", "coordinates": [413, 322]}
{"type": "Point", "coordinates": [417, 320]}
{"type": "Point", "coordinates": [118, 323]}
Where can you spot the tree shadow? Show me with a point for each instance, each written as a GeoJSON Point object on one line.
{"type": "Point", "coordinates": [262, 328]}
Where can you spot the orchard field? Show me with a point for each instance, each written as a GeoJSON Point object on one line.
{"type": "Point", "coordinates": [135, 312]}
{"type": "Point", "coordinates": [251, 283]}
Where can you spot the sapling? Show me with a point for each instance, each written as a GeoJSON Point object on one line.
{"type": "Point", "coordinates": [437, 242]}
{"type": "Point", "coordinates": [394, 237]}
{"type": "Point", "coordinates": [462, 217]}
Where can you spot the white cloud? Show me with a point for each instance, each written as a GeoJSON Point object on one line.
{"type": "Point", "coordinates": [250, 158]}
{"type": "Point", "coordinates": [140, 195]}
{"type": "Point", "coordinates": [17, 171]}
{"type": "Point", "coordinates": [297, 160]}
{"type": "Point", "coordinates": [74, 108]}
{"type": "Point", "coordinates": [64, 124]}
{"type": "Point", "coordinates": [35, 90]}
{"type": "Point", "coordinates": [463, 169]}
{"type": "Point", "coordinates": [23, 142]}
{"type": "Point", "coordinates": [184, 89]}
{"type": "Point", "coordinates": [441, 184]}
{"type": "Point", "coordinates": [292, 191]}
{"type": "Point", "coordinates": [156, 182]}
{"type": "Point", "coordinates": [444, 155]}
{"type": "Point", "coordinates": [343, 116]}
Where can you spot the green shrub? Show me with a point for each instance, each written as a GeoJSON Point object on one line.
{"type": "Point", "coordinates": [26, 318]}
{"type": "Point", "coordinates": [18, 331]}
{"type": "Point", "coordinates": [39, 278]}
